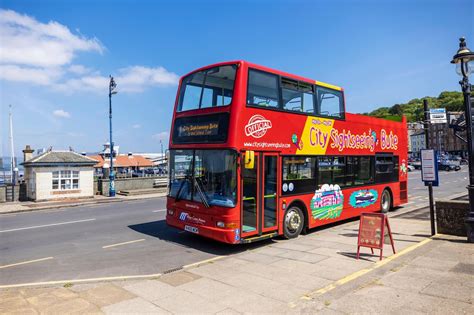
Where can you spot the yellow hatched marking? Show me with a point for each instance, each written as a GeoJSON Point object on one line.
{"type": "Point", "coordinates": [329, 86]}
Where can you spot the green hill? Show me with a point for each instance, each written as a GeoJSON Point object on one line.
{"type": "Point", "coordinates": [413, 110]}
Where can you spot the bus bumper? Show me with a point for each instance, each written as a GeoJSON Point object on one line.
{"type": "Point", "coordinates": [230, 236]}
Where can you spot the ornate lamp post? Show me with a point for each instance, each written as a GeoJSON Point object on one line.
{"type": "Point", "coordinates": [465, 66]}
{"type": "Point", "coordinates": [112, 91]}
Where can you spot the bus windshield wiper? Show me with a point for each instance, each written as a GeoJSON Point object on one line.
{"type": "Point", "coordinates": [186, 178]}
{"type": "Point", "coordinates": [203, 196]}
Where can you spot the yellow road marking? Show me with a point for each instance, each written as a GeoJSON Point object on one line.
{"type": "Point", "coordinates": [362, 272]}
{"type": "Point", "coordinates": [26, 262]}
{"type": "Point", "coordinates": [124, 243]}
{"type": "Point", "coordinates": [79, 281]}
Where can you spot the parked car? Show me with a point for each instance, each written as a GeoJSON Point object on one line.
{"type": "Point", "coordinates": [410, 168]}
{"type": "Point", "coordinates": [416, 165]}
{"type": "Point", "coordinates": [448, 165]}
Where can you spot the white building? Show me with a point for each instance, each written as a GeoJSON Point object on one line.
{"type": "Point", "coordinates": [417, 141]}
{"type": "Point", "coordinates": [58, 175]}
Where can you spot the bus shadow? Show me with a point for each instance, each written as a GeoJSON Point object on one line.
{"type": "Point", "coordinates": [163, 232]}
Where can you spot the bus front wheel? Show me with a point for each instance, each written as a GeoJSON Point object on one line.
{"type": "Point", "coordinates": [293, 223]}
{"type": "Point", "coordinates": [385, 201]}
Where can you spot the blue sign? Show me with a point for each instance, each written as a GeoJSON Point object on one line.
{"type": "Point", "coordinates": [429, 167]}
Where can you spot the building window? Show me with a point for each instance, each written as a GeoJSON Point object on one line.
{"type": "Point", "coordinates": [65, 180]}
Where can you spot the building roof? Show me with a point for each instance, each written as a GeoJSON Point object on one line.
{"type": "Point", "coordinates": [123, 161]}
{"type": "Point", "coordinates": [417, 133]}
{"type": "Point", "coordinates": [53, 158]}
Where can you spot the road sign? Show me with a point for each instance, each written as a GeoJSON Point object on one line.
{"type": "Point", "coordinates": [429, 167]}
{"type": "Point", "coordinates": [438, 116]}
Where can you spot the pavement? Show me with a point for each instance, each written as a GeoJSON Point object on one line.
{"type": "Point", "coordinates": [315, 273]}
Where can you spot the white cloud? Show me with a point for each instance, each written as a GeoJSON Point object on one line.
{"type": "Point", "coordinates": [79, 69]}
{"type": "Point", "coordinates": [42, 54]}
{"type": "Point", "coordinates": [137, 78]}
{"type": "Point", "coordinates": [129, 80]}
{"type": "Point", "coordinates": [136, 126]}
{"type": "Point", "coordinates": [163, 136]}
{"type": "Point", "coordinates": [39, 76]}
{"type": "Point", "coordinates": [27, 41]}
{"type": "Point", "coordinates": [61, 113]}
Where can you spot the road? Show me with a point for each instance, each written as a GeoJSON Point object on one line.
{"type": "Point", "coordinates": [451, 183]}
{"type": "Point", "coordinates": [125, 238]}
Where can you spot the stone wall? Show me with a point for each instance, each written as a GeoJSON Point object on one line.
{"type": "Point", "coordinates": [3, 196]}
{"type": "Point", "coordinates": [121, 184]}
{"type": "Point", "coordinates": [450, 216]}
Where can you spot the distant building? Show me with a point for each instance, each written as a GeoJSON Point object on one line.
{"type": "Point", "coordinates": [158, 159]}
{"type": "Point", "coordinates": [417, 142]}
{"type": "Point", "coordinates": [412, 129]}
{"type": "Point", "coordinates": [57, 175]}
{"type": "Point", "coordinates": [442, 138]}
{"type": "Point", "coordinates": [123, 163]}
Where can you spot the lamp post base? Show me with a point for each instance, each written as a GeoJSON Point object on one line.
{"type": "Point", "coordinates": [112, 185]}
{"type": "Point", "coordinates": [470, 216]}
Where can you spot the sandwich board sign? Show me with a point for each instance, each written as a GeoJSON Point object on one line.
{"type": "Point", "coordinates": [438, 116]}
{"type": "Point", "coordinates": [374, 232]}
{"type": "Point", "coordinates": [429, 167]}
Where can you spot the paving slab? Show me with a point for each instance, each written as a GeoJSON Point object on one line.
{"type": "Point", "coordinates": [151, 289]}
{"type": "Point", "coordinates": [106, 294]}
{"type": "Point", "coordinates": [134, 306]}
{"type": "Point", "coordinates": [178, 278]}
{"type": "Point", "coordinates": [72, 306]}
{"type": "Point", "coordinates": [183, 302]}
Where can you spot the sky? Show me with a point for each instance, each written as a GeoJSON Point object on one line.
{"type": "Point", "coordinates": [56, 56]}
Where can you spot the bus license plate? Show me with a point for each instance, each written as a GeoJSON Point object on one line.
{"type": "Point", "coordinates": [191, 229]}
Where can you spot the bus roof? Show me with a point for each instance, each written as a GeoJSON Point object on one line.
{"type": "Point", "coordinates": [263, 68]}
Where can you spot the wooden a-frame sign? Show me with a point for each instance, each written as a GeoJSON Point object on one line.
{"type": "Point", "coordinates": [373, 230]}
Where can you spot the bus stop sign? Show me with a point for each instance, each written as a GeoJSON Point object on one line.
{"type": "Point", "coordinates": [429, 167]}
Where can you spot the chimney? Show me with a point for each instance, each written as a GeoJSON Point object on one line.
{"type": "Point", "coordinates": [27, 153]}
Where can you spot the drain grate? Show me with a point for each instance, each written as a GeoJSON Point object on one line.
{"type": "Point", "coordinates": [172, 270]}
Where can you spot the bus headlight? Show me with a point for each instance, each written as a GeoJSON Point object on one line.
{"type": "Point", "coordinates": [170, 211]}
{"type": "Point", "coordinates": [228, 225]}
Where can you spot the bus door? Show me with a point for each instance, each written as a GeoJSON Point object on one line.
{"type": "Point", "coordinates": [259, 195]}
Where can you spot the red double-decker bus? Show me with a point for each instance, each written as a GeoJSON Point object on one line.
{"type": "Point", "coordinates": [257, 152]}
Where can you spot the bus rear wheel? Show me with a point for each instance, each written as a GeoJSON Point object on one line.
{"type": "Point", "coordinates": [293, 223]}
{"type": "Point", "coordinates": [385, 201]}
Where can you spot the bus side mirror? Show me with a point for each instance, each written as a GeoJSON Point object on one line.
{"type": "Point", "coordinates": [249, 159]}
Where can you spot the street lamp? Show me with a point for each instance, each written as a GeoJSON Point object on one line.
{"type": "Point", "coordinates": [464, 66]}
{"type": "Point", "coordinates": [112, 91]}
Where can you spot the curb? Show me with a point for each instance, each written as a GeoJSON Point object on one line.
{"type": "Point", "coordinates": [86, 203]}
{"type": "Point", "coordinates": [415, 208]}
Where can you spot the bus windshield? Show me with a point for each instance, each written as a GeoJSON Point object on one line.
{"type": "Point", "coordinates": [208, 88]}
{"type": "Point", "coordinates": [206, 176]}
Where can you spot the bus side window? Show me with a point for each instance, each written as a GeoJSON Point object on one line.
{"type": "Point", "coordinates": [330, 102]}
{"type": "Point", "coordinates": [262, 89]}
{"type": "Point", "coordinates": [386, 168]}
